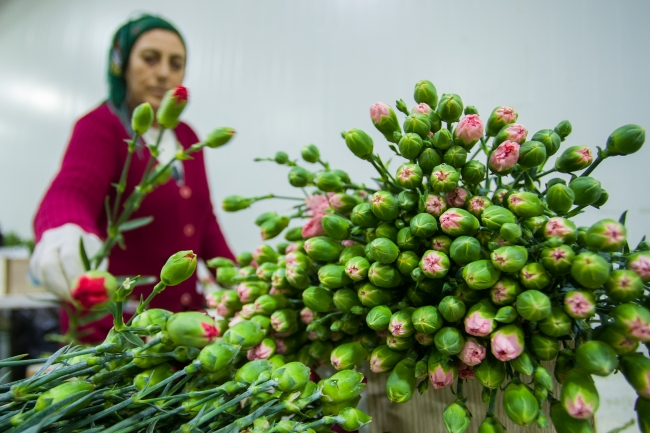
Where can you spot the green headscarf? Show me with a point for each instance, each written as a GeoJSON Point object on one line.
{"type": "Point", "coordinates": [118, 56]}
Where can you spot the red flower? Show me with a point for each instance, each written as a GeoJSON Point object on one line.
{"type": "Point", "coordinates": [90, 291]}
{"type": "Point", "coordinates": [180, 93]}
{"type": "Point", "coordinates": [210, 331]}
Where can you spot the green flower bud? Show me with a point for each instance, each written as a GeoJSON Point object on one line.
{"type": "Point", "coordinates": [534, 276]}
{"type": "Point", "coordinates": [328, 181]}
{"type": "Point", "coordinates": [473, 172]}
{"type": "Point", "coordinates": [533, 305]}
{"type": "Point", "coordinates": [619, 342]}
{"type": "Point", "coordinates": [293, 234]}
{"type": "Point", "coordinates": [217, 356]}
{"type": "Point", "coordinates": [60, 392]}
{"type": "Point", "coordinates": [152, 317]}
{"type": "Point", "coordinates": [171, 107]}
{"type": "Point", "coordinates": [525, 204]}
{"type": "Point", "coordinates": [450, 107]}
{"type": "Point", "coordinates": [336, 226]}
{"type": "Point", "coordinates": [346, 299]}
{"type": "Point", "coordinates": [604, 196]}
{"type": "Point", "coordinates": [406, 240]}
{"type": "Point", "coordinates": [192, 329]}
{"type": "Point", "coordinates": [356, 268]}
{"type": "Point", "coordinates": [442, 140]}
{"type": "Point", "coordinates": [347, 253]}
{"type": "Point", "coordinates": [378, 318]}
{"type": "Point", "coordinates": [384, 206]}
{"type": "Point", "coordinates": [523, 364]}
{"type": "Point", "coordinates": [434, 264]}
{"type": "Point", "coordinates": [407, 261]}
{"type": "Point", "coordinates": [333, 276]}
{"type": "Point", "coordinates": [510, 232]}
{"type": "Point", "coordinates": [557, 261]}
{"type": "Point", "coordinates": [491, 373]}
{"type": "Point", "coordinates": [310, 153]}
{"type": "Point", "coordinates": [250, 371]}
{"type": "Point", "coordinates": [639, 263]}
{"type": "Point", "coordinates": [531, 154]}
{"type": "Point", "coordinates": [509, 258]}
{"type": "Point", "coordinates": [550, 139]}
{"type": "Point", "coordinates": [401, 383]}
{"type": "Point", "coordinates": [596, 357]}
{"type": "Point", "coordinates": [444, 178]}
{"type": "Point", "coordinates": [481, 274]}
{"type": "Point", "coordinates": [565, 423]}
{"type": "Point", "coordinates": [265, 271]}
{"type": "Point", "coordinates": [425, 92]}
{"type": "Point", "coordinates": [587, 190]}
{"type": "Point", "coordinates": [372, 296]}
{"type": "Point", "coordinates": [579, 396]}
{"type": "Point", "coordinates": [348, 356]}
{"type": "Point", "coordinates": [267, 304]}
{"type": "Point", "coordinates": [352, 419]}
{"type": "Point", "coordinates": [507, 314]}
{"type": "Point", "coordinates": [318, 299]}
{"type": "Point", "coordinates": [384, 251]}
{"type": "Point", "coordinates": [299, 177]}
{"type": "Point", "coordinates": [543, 347]}
{"type": "Point", "coordinates": [557, 324]}
{"type": "Point", "coordinates": [142, 118]}
{"type": "Point", "coordinates": [560, 198]}
{"type": "Point", "coordinates": [491, 425]}
{"type": "Point", "coordinates": [449, 341]}
{"type": "Point", "coordinates": [505, 291]}
{"type": "Point", "coordinates": [625, 140]}
{"type": "Point", "coordinates": [456, 156]}
{"type": "Point", "coordinates": [291, 377]}
{"type": "Point", "coordinates": [423, 225]}
{"type": "Point", "coordinates": [500, 117]}
{"type": "Point", "coordinates": [244, 259]}
{"type": "Point", "coordinates": [427, 320]}
{"type": "Point", "coordinates": [624, 286]}
{"type": "Point", "coordinates": [636, 369]}
{"type": "Point", "coordinates": [383, 275]}
{"type": "Point", "coordinates": [246, 334]}
{"type": "Point", "coordinates": [359, 143]}
{"type": "Point", "coordinates": [633, 321]}
{"type": "Point", "coordinates": [178, 268]}
{"type": "Point", "coordinates": [590, 270]}
{"type": "Point", "coordinates": [343, 386]}
{"type": "Point", "coordinates": [465, 249]}
{"type": "Point", "coordinates": [273, 227]}
{"type": "Point", "coordinates": [452, 308]}
{"type": "Point", "coordinates": [493, 217]}
{"type": "Point", "coordinates": [574, 158]}
{"type": "Point", "coordinates": [409, 176]}
{"type": "Point", "coordinates": [281, 157]}
{"type": "Point", "coordinates": [606, 235]}
{"type": "Point", "coordinates": [520, 404]}
{"type": "Point", "coordinates": [456, 417]}
{"type": "Point", "coordinates": [419, 124]}
{"type": "Point", "coordinates": [458, 222]}
{"type": "Point", "coordinates": [410, 145]}
{"type": "Point", "coordinates": [323, 249]}
{"type": "Point", "coordinates": [563, 129]}
{"type": "Point", "coordinates": [429, 158]}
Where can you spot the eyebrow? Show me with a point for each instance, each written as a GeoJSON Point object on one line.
{"type": "Point", "coordinates": [157, 51]}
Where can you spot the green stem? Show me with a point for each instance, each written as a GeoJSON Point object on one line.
{"type": "Point", "coordinates": [487, 171]}
{"type": "Point", "coordinates": [143, 305]}
{"type": "Point", "coordinates": [575, 211]}
{"type": "Point", "coordinates": [493, 401]}
{"type": "Point", "coordinates": [152, 158]}
{"type": "Point", "coordinates": [544, 173]}
{"type": "Point", "coordinates": [324, 420]}
{"type": "Point", "coordinates": [121, 186]}
{"type": "Point", "coordinates": [593, 166]}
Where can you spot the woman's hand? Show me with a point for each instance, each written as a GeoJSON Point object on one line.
{"type": "Point", "coordinates": [56, 261]}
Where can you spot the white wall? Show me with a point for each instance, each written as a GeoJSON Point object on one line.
{"type": "Point", "coordinates": [288, 73]}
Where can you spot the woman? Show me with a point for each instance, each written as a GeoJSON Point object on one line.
{"type": "Point", "coordinates": [146, 59]}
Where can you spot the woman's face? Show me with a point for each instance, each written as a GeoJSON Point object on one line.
{"type": "Point", "coordinates": [156, 64]}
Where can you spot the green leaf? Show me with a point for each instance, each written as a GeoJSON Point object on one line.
{"type": "Point", "coordinates": [132, 338]}
{"type": "Point", "coordinates": [134, 224]}
{"type": "Point", "coordinates": [423, 386]}
{"type": "Point", "coordinates": [622, 218]}
{"type": "Point", "coordinates": [107, 208]}
{"type": "Point", "coordinates": [84, 256]}
{"type": "Point", "coordinates": [152, 426]}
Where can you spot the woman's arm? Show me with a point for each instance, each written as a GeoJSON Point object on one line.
{"type": "Point", "coordinates": [89, 166]}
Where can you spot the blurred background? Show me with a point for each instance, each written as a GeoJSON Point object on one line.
{"type": "Point", "coordinates": [289, 73]}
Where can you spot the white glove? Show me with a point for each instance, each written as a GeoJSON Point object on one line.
{"type": "Point", "coordinates": [56, 261]}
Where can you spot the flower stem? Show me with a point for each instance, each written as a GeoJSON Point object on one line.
{"type": "Point", "coordinates": [593, 166]}
{"type": "Point", "coordinates": [143, 305]}
{"type": "Point", "coordinates": [125, 170]}
{"type": "Point", "coordinates": [544, 173]}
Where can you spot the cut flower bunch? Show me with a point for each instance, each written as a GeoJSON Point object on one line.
{"type": "Point", "coordinates": [461, 264]}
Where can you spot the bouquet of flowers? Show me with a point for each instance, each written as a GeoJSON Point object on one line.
{"type": "Point", "coordinates": [463, 263]}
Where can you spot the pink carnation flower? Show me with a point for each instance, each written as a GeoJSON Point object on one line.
{"type": "Point", "coordinates": [464, 371]}
{"type": "Point", "coordinates": [579, 408]}
{"type": "Point", "coordinates": [435, 205]}
{"type": "Point", "coordinates": [505, 156]}
{"type": "Point", "coordinates": [261, 351]}
{"type": "Point", "coordinates": [506, 114]}
{"type": "Point", "coordinates": [379, 110]}
{"type": "Point", "coordinates": [313, 227]}
{"type": "Point", "coordinates": [422, 108]}
{"type": "Point", "coordinates": [472, 352]}
{"type": "Point", "coordinates": [441, 378]}
{"type": "Point", "coordinates": [470, 128]}
{"type": "Point", "coordinates": [457, 197]}
{"type": "Point", "coordinates": [506, 347]}
{"type": "Point", "coordinates": [516, 133]}
{"type": "Point", "coordinates": [477, 325]}
{"type": "Point", "coordinates": [450, 220]}
{"type": "Point", "coordinates": [306, 315]}
{"type": "Point", "coordinates": [317, 204]}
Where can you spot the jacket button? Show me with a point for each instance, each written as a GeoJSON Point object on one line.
{"type": "Point", "coordinates": [185, 191]}
{"type": "Point", "coordinates": [188, 230]}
